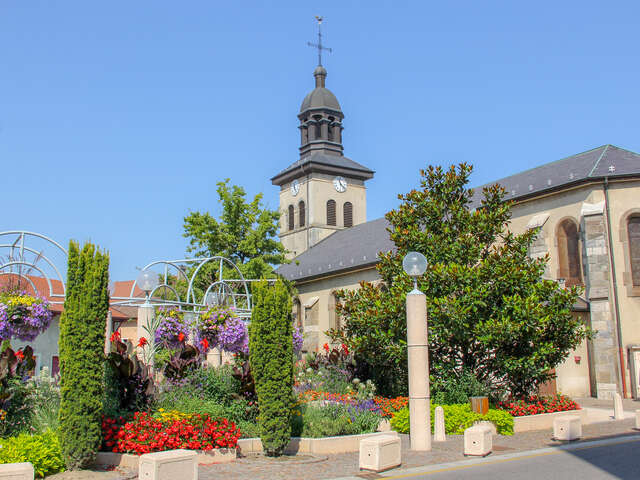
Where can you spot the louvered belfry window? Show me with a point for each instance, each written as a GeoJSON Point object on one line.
{"type": "Point", "coordinates": [633, 228]}
{"type": "Point", "coordinates": [569, 253]}
{"type": "Point", "coordinates": [301, 213]}
{"type": "Point", "coordinates": [291, 217]}
{"type": "Point", "coordinates": [348, 214]}
{"type": "Point", "coordinates": [331, 212]}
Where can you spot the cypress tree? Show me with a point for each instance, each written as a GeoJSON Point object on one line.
{"type": "Point", "coordinates": [271, 359]}
{"type": "Point", "coordinates": [81, 345]}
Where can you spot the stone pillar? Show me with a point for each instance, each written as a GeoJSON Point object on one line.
{"type": "Point", "coordinates": [107, 333]}
{"type": "Point", "coordinates": [439, 434]}
{"type": "Point", "coordinates": [597, 281]}
{"type": "Point", "coordinates": [145, 317]}
{"type": "Point", "coordinates": [418, 353]}
{"type": "Point", "coordinates": [324, 128]}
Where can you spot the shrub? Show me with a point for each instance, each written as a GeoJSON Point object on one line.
{"type": "Point", "coordinates": [332, 420]}
{"type": "Point", "coordinates": [271, 359]}
{"type": "Point", "coordinates": [146, 434]}
{"type": "Point", "coordinates": [457, 418]}
{"type": "Point", "coordinates": [82, 327]}
{"type": "Point", "coordinates": [45, 402]}
{"type": "Point", "coordinates": [42, 451]}
{"type": "Point", "coordinates": [534, 405]}
{"type": "Point", "coordinates": [450, 388]}
{"type": "Point", "coordinates": [15, 405]}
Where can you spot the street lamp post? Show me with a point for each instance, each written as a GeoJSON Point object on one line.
{"type": "Point", "coordinates": [147, 281]}
{"type": "Point", "coordinates": [414, 265]}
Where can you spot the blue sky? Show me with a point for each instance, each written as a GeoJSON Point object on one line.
{"type": "Point", "coordinates": [117, 118]}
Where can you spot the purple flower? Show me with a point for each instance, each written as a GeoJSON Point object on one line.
{"type": "Point", "coordinates": [172, 324]}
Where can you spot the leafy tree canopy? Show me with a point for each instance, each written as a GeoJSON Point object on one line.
{"type": "Point", "coordinates": [246, 233]}
{"type": "Point", "coordinates": [491, 312]}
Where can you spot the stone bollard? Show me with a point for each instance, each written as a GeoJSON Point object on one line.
{"type": "Point", "coordinates": [380, 453]}
{"type": "Point", "coordinates": [567, 428]}
{"type": "Point", "coordinates": [16, 471]}
{"type": "Point", "coordinates": [169, 465]}
{"type": "Point", "coordinates": [478, 441]}
{"type": "Point", "coordinates": [618, 411]}
{"type": "Point", "coordinates": [439, 430]}
{"type": "Point", "coordinates": [637, 419]}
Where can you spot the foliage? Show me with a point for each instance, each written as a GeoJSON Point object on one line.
{"type": "Point", "coordinates": [44, 399]}
{"type": "Point", "coordinates": [330, 420]}
{"type": "Point", "coordinates": [271, 359]}
{"type": "Point", "coordinates": [42, 451]}
{"type": "Point", "coordinates": [242, 373]}
{"type": "Point", "coordinates": [457, 387]}
{"type": "Point", "coordinates": [246, 234]}
{"type": "Point", "coordinates": [491, 312]}
{"type": "Point", "coordinates": [81, 344]}
{"type": "Point", "coordinates": [173, 329]}
{"type": "Point", "coordinates": [23, 316]}
{"type": "Point", "coordinates": [146, 434]}
{"type": "Point", "coordinates": [534, 405]}
{"type": "Point", "coordinates": [15, 407]}
{"type": "Point", "coordinates": [184, 360]}
{"type": "Point", "coordinates": [457, 418]}
{"type": "Point", "coordinates": [132, 379]}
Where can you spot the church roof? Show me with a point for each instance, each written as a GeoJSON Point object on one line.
{"type": "Point", "coordinates": [359, 246]}
{"type": "Point", "coordinates": [325, 163]}
{"type": "Point", "coordinates": [320, 98]}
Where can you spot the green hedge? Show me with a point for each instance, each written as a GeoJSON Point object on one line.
{"type": "Point", "coordinates": [43, 451]}
{"type": "Point", "coordinates": [457, 418]}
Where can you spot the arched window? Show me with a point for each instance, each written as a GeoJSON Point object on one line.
{"type": "Point", "coordinates": [301, 213]}
{"type": "Point", "coordinates": [633, 230]}
{"type": "Point", "coordinates": [569, 263]}
{"type": "Point", "coordinates": [348, 214]}
{"type": "Point", "coordinates": [291, 217]}
{"type": "Point", "coordinates": [331, 212]}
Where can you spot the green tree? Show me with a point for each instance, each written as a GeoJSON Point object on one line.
{"type": "Point", "coordinates": [81, 344]}
{"type": "Point", "coordinates": [491, 312]}
{"type": "Point", "coordinates": [246, 233]}
{"type": "Point", "coordinates": [271, 360]}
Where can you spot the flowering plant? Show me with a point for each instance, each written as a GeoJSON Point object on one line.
{"type": "Point", "coordinates": [146, 434]}
{"type": "Point", "coordinates": [172, 329]}
{"type": "Point", "coordinates": [23, 316]}
{"type": "Point", "coordinates": [534, 405]}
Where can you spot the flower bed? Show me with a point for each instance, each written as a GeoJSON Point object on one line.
{"type": "Point", "coordinates": [146, 434]}
{"type": "Point", "coordinates": [535, 405]}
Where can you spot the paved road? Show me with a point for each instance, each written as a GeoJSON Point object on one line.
{"type": "Point", "coordinates": [619, 460]}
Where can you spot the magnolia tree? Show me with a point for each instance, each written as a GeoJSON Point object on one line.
{"type": "Point", "coordinates": [493, 319]}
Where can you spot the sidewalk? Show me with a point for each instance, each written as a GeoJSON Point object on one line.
{"type": "Point", "coordinates": [344, 465]}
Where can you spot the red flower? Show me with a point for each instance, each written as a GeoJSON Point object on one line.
{"type": "Point", "coordinates": [205, 344]}
{"type": "Point", "coordinates": [115, 336]}
{"type": "Point", "coordinates": [142, 342]}
{"type": "Point", "coordinates": [326, 347]}
{"type": "Point", "coordinates": [345, 349]}
{"type": "Point", "coordinates": [20, 355]}
{"type": "Point", "coordinates": [181, 337]}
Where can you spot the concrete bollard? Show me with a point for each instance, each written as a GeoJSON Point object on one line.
{"type": "Point", "coordinates": [439, 434]}
{"type": "Point", "coordinates": [478, 441]}
{"type": "Point", "coordinates": [169, 465]}
{"type": "Point", "coordinates": [380, 453]}
{"type": "Point", "coordinates": [16, 471]}
{"type": "Point", "coordinates": [637, 419]}
{"type": "Point", "coordinates": [618, 411]}
{"type": "Point", "coordinates": [567, 428]}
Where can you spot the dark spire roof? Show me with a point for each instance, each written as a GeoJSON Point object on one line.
{"type": "Point", "coordinates": [320, 98]}
{"type": "Point", "coordinates": [358, 247]}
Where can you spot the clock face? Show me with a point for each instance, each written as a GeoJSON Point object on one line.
{"type": "Point", "coordinates": [340, 184]}
{"type": "Point", "coordinates": [295, 187]}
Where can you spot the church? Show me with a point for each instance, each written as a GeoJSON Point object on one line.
{"type": "Point", "coordinates": [587, 205]}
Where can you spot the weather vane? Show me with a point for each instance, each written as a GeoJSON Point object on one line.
{"type": "Point", "coordinates": [319, 45]}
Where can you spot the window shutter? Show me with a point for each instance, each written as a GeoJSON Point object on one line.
{"type": "Point", "coordinates": [291, 217]}
{"type": "Point", "coordinates": [302, 213]}
{"type": "Point", "coordinates": [633, 229]}
{"type": "Point", "coordinates": [348, 214]}
{"type": "Point", "coordinates": [331, 212]}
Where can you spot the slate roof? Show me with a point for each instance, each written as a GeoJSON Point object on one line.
{"type": "Point", "coordinates": [358, 246]}
{"type": "Point", "coordinates": [325, 163]}
{"type": "Point", "coordinates": [320, 97]}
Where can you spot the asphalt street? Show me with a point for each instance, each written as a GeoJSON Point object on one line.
{"type": "Point", "coordinates": [619, 460]}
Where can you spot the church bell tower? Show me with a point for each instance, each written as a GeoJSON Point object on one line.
{"type": "Point", "coordinates": [323, 191]}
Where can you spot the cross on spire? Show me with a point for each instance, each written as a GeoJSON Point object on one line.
{"type": "Point", "coordinates": [319, 45]}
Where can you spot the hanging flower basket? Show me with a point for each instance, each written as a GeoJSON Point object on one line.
{"type": "Point", "coordinates": [23, 316]}
{"type": "Point", "coordinates": [223, 329]}
{"type": "Point", "coordinates": [173, 329]}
